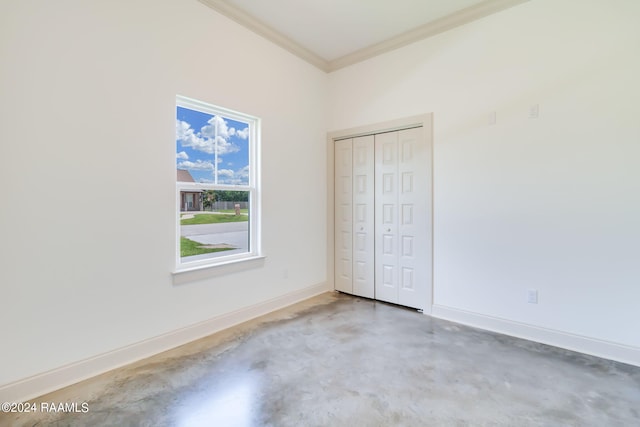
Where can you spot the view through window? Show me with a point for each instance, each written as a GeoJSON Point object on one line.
{"type": "Point", "coordinates": [216, 183]}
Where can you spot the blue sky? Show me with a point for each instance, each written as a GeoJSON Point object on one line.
{"type": "Point", "coordinates": [195, 147]}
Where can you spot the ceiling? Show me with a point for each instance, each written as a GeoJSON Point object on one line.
{"type": "Point", "coordinates": [332, 34]}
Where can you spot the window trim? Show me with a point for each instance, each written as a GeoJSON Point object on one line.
{"type": "Point", "coordinates": [253, 187]}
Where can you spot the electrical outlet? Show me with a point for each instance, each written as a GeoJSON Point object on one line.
{"type": "Point", "coordinates": [534, 111]}
{"type": "Point", "coordinates": [532, 296]}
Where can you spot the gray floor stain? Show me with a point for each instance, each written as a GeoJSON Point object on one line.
{"type": "Point", "coordinates": [344, 361]}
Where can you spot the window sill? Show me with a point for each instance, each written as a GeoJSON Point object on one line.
{"type": "Point", "coordinates": [200, 272]}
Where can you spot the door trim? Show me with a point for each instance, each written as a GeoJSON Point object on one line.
{"type": "Point", "coordinates": [422, 120]}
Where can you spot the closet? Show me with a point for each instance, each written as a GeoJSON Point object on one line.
{"type": "Point", "coordinates": [382, 222]}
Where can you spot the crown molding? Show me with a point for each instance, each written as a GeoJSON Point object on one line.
{"type": "Point", "coordinates": [258, 27]}
{"type": "Point", "coordinates": [432, 28]}
{"type": "Point", "coordinates": [443, 24]}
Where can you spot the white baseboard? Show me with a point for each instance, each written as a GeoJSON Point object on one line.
{"type": "Point", "coordinates": [55, 379]}
{"type": "Point", "coordinates": [600, 348]}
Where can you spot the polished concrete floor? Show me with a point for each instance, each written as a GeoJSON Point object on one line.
{"type": "Point", "coordinates": [337, 360]}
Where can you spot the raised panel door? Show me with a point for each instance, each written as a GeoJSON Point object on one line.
{"type": "Point", "coordinates": [386, 217]}
{"type": "Point", "coordinates": [363, 218]}
{"type": "Point", "coordinates": [415, 212]}
{"type": "Point", "coordinates": [343, 236]}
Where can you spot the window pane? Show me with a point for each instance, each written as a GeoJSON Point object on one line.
{"type": "Point", "coordinates": [217, 225]}
{"type": "Point", "coordinates": [211, 148]}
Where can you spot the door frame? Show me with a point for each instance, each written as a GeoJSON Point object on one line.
{"type": "Point", "coordinates": [423, 120]}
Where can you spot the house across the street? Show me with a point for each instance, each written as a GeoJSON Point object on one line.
{"type": "Point", "coordinates": [189, 200]}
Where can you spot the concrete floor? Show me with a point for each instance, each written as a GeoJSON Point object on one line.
{"type": "Point", "coordinates": [337, 360]}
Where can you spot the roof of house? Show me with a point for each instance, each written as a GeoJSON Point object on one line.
{"type": "Point", "coordinates": [184, 176]}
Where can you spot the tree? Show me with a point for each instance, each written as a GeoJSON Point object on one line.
{"type": "Point", "coordinates": [208, 197]}
{"type": "Point", "coordinates": [232, 196]}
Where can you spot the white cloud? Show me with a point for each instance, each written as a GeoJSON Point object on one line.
{"type": "Point", "coordinates": [188, 138]}
{"type": "Point", "coordinates": [218, 126]}
{"type": "Point", "coordinates": [209, 130]}
{"type": "Point", "coordinates": [182, 156]}
{"type": "Point", "coordinates": [244, 133]}
{"type": "Point", "coordinates": [229, 176]}
{"type": "Point", "coordinates": [244, 172]}
{"type": "Point", "coordinates": [197, 165]}
{"type": "Point", "coordinates": [204, 140]}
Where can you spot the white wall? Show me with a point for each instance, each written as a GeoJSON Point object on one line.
{"type": "Point", "coordinates": [87, 172]}
{"type": "Point", "coordinates": [551, 203]}
{"type": "Point", "coordinates": [87, 92]}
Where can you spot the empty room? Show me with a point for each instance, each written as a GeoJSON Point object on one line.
{"type": "Point", "coordinates": [286, 213]}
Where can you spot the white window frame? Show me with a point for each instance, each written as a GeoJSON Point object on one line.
{"type": "Point", "coordinates": [253, 187]}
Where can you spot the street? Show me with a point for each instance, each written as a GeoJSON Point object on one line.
{"type": "Point", "coordinates": [235, 234]}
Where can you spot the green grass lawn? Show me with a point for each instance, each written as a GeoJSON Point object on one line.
{"type": "Point", "coordinates": [213, 219]}
{"type": "Point", "coordinates": [242, 211]}
{"type": "Point", "coordinates": [188, 248]}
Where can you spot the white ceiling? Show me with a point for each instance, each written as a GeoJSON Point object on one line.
{"type": "Point", "coordinates": [334, 33]}
{"type": "Point", "coordinates": [335, 28]}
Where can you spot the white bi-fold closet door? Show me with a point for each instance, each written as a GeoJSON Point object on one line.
{"type": "Point", "coordinates": [382, 221]}
{"type": "Point", "coordinates": [354, 219]}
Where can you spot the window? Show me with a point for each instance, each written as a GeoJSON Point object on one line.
{"type": "Point", "coordinates": [217, 195]}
